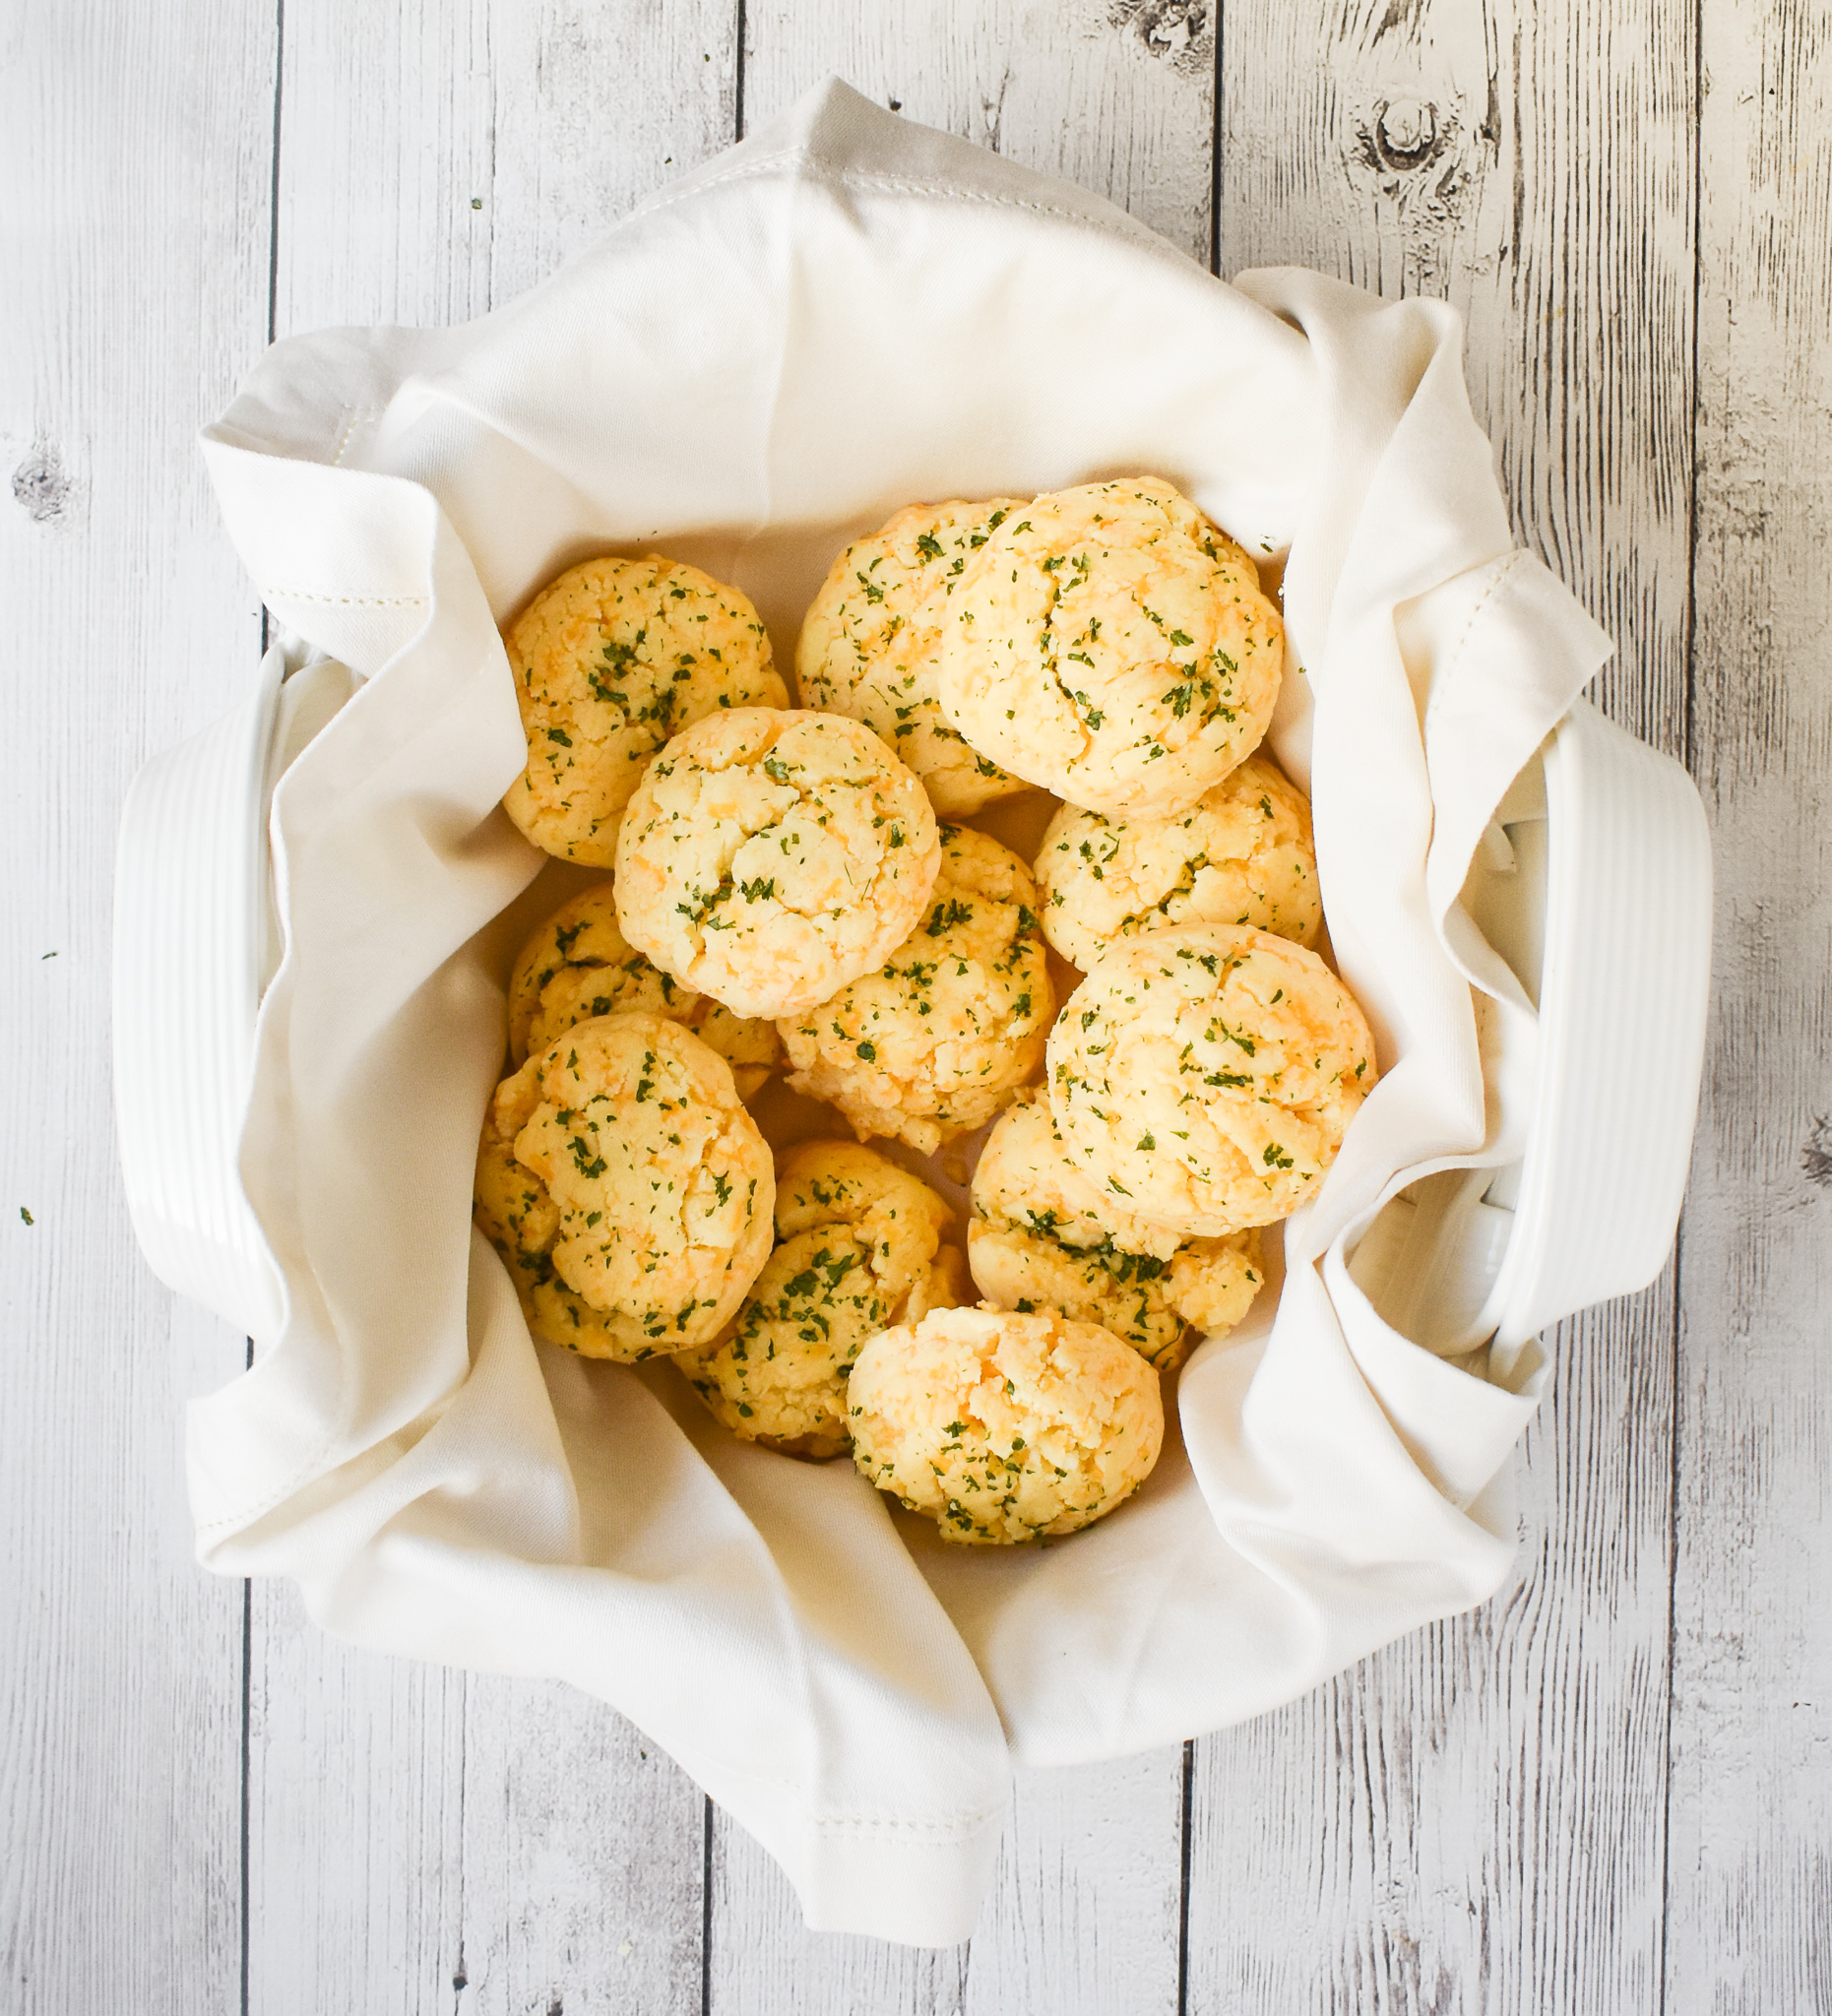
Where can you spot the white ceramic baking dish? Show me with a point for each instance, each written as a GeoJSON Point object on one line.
{"type": "Point", "coordinates": [1594, 882]}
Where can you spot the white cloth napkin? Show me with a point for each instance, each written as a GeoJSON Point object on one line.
{"type": "Point", "coordinates": [842, 314]}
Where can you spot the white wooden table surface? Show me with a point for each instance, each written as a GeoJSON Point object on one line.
{"type": "Point", "coordinates": [1611, 1789]}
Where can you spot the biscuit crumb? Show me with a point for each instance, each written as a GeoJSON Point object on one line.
{"type": "Point", "coordinates": [858, 1246]}
{"type": "Point", "coordinates": [868, 641]}
{"type": "Point", "coordinates": [1203, 1077]}
{"type": "Point", "coordinates": [1112, 644]}
{"type": "Point", "coordinates": [626, 1188]}
{"type": "Point", "coordinates": [1241, 855]}
{"type": "Point", "coordinates": [769, 857]}
{"type": "Point", "coordinates": [932, 1044]}
{"type": "Point", "coordinates": [1004, 1427]}
{"type": "Point", "coordinates": [609, 661]}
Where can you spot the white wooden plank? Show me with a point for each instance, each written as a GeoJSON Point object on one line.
{"type": "Point", "coordinates": [1085, 1911]}
{"type": "Point", "coordinates": [1470, 1820]}
{"type": "Point", "coordinates": [1474, 1818]}
{"type": "Point", "coordinates": [135, 265]}
{"type": "Point", "coordinates": [761, 1959]}
{"type": "Point", "coordinates": [1750, 1888]}
{"type": "Point", "coordinates": [1087, 1905]}
{"type": "Point", "coordinates": [443, 155]}
{"type": "Point", "coordinates": [503, 1845]}
{"type": "Point", "coordinates": [1083, 1915]}
{"type": "Point", "coordinates": [1117, 95]}
{"type": "Point", "coordinates": [427, 1839]}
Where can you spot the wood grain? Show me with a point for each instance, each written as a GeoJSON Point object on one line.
{"type": "Point", "coordinates": [424, 1838]}
{"type": "Point", "coordinates": [1533, 165]}
{"type": "Point", "coordinates": [1470, 1819]}
{"type": "Point", "coordinates": [1434, 1823]}
{"type": "Point", "coordinates": [427, 1839]}
{"type": "Point", "coordinates": [135, 249]}
{"type": "Point", "coordinates": [1117, 95]}
{"type": "Point", "coordinates": [1515, 1810]}
{"type": "Point", "coordinates": [1749, 1914]}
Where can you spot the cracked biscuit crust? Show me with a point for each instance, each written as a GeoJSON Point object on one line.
{"type": "Point", "coordinates": [1043, 1238]}
{"type": "Point", "coordinates": [626, 1188]}
{"type": "Point", "coordinates": [858, 1246]}
{"type": "Point", "coordinates": [1203, 1076]}
{"type": "Point", "coordinates": [609, 661]}
{"type": "Point", "coordinates": [1113, 645]}
{"type": "Point", "coordinates": [868, 643]}
{"type": "Point", "coordinates": [1241, 855]}
{"type": "Point", "coordinates": [579, 965]}
{"type": "Point", "coordinates": [769, 857]}
{"type": "Point", "coordinates": [1004, 1427]}
{"type": "Point", "coordinates": [933, 1043]}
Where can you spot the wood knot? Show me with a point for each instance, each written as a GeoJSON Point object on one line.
{"type": "Point", "coordinates": [1175, 31]}
{"type": "Point", "coordinates": [40, 487]}
{"type": "Point", "coordinates": [1407, 133]}
{"type": "Point", "coordinates": [1816, 1156]}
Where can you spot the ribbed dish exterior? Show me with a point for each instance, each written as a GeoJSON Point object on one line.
{"type": "Point", "coordinates": [190, 925]}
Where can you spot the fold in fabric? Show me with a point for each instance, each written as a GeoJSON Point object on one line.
{"type": "Point", "coordinates": [842, 314]}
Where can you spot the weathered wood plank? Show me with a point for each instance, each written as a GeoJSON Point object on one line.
{"type": "Point", "coordinates": [1470, 1820]}
{"type": "Point", "coordinates": [1750, 1885]}
{"type": "Point", "coordinates": [1084, 1911]}
{"type": "Point", "coordinates": [1430, 1829]}
{"type": "Point", "coordinates": [1083, 1914]}
{"type": "Point", "coordinates": [427, 1839]}
{"type": "Point", "coordinates": [501, 1845]}
{"type": "Point", "coordinates": [1117, 95]}
{"type": "Point", "coordinates": [128, 626]}
{"type": "Point", "coordinates": [1533, 165]}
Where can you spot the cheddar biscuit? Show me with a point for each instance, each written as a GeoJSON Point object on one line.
{"type": "Point", "coordinates": [579, 965]}
{"type": "Point", "coordinates": [626, 1188]}
{"type": "Point", "coordinates": [609, 661]}
{"type": "Point", "coordinates": [769, 857]}
{"type": "Point", "coordinates": [933, 1043]}
{"type": "Point", "coordinates": [1004, 1427]}
{"type": "Point", "coordinates": [868, 642]}
{"type": "Point", "coordinates": [1241, 855]}
{"type": "Point", "coordinates": [858, 1246]}
{"type": "Point", "coordinates": [1203, 1076]}
{"type": "Point", "coordinates": [1110, 645]}
{"type": "Point", "coordinates": [1042, 1237]}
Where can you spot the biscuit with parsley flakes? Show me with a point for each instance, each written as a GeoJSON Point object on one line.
{"type": "Point", "coordinates": [936, 1041]}
{"type": "Point", "coordinates": [1112, 644]}
{"type": "Point", "coordinates": [1203, 1076]}
{"type": "Point", "coordinates": [769, 857]}
{"type": "Point", "coordinates": [626, 1188]}
{"type": "Point", "coordinates": [1241, 855]}
{"type": "Point", "coordinates": [1042, 1239]}
{"type": "Point", "coordinates": [609, 661]}
{"type": "Point", "coordinates": [868, 643]}
{"type": "Point", "coordinates": [858, 1246]}
{"type": "Point", "coordinates": [579, 965]}
{"type": "Point", "coordinates": [1004, 1427]}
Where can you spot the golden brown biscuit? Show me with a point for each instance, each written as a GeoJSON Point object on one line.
{"type": "Point", "coordinates": [609, 661]}
{"type": "Point", "coordinates": [1203, 1076]}
{"type": "Point", "coordinates": [867, 644]}
{"type": "Point", "coordinates": [858, 1246]}
{"type": "Point", "coordinates": [769, 857]}
{"type": "Point", "coordinates": [579, 965]}
{"type": "Point", "coordinates": [1002, 1428]}
{"type": "Point", "coordinates": [1043, 1238]}
{"type": "Point", "coordinates": [932, 1044]}
{"type": "Point", "coordinates": [1110, 645]}
{"type": "Point", "coordinates": [626, 1188]}
{"type": "Point", "coordinates": [1241, 855]}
